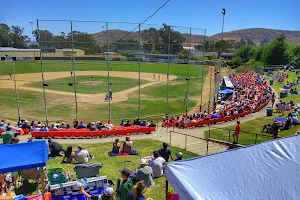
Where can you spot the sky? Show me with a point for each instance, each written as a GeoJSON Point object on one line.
{"type": "Point", "coordinates": [241, 14]}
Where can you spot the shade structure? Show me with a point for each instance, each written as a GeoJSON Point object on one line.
{"type": "Point", "coordinates": [268, 170]}
{"type": "Point", "coordinates": [17, 157]}
{"type": "Point", "coordinates": [226, 91]}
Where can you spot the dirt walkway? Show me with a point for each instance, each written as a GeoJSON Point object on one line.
{"type": "Point", "coordinates": [23, 79]}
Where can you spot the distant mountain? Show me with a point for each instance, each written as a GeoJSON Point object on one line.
{"type": "Point", "coordinates": [259, 35]}
{"type": "Point", "coordinates": [114, 35]}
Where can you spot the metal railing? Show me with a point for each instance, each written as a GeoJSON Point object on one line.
{"type": "Point", "coordinates": [255, 137]}
{"type": "Point", "coordinates": [194, 143]}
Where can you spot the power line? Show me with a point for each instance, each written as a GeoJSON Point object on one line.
{"type": "Point", "coordinates": [143, 21]}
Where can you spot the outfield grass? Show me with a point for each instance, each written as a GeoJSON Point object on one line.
{"type": "Point", "coordinates": [254, 126]}
{"type": "Point", "coordinates": [86, 86]}
{"type": "Point", "coordinates": [50, 66]}
{"type": "Point", "coordinates": [111, 167]}
{"type": "Point", "coordinates": [176, 89]}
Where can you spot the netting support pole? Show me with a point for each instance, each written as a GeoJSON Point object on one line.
{"type": "Point", "coordinates": [168, 75]}
{"type": "Point", "coordinates": [189, 75]}
{"type": "Point", "coordinates": [210, 82]}
{"type": "Point", "coordinates": [43, 79]}
{"type": "Point", "coordinates": [139, 100]}
{"type": "Point", "coordinates": [202, 85]}
{"type": "Point", "coordinates": [108, 74]}
{"type": "Point", "coordinates": [16, 89]}
{"type": "Point", "coordinates": [74, 72]}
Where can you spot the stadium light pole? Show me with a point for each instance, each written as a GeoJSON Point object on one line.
{"type": "Point", "coordinates": [32, 37]}
{"type": "Point", "coordinates": [217, 74]}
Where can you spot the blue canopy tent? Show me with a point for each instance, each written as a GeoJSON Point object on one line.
{"type": "Point", "coordinates": [18, 157]}
{"type": "Point", "coordinates": [226, 91]}
{"type": "Point", "coordinates": [268, 170]}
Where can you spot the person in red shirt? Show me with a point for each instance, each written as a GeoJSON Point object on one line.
{"type": "Point", "coordinates": [236, 132]}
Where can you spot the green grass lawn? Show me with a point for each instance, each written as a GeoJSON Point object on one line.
{"type": "Point", "coordinates": [86, 86]}
{"type": "Point", "coordinates": [290, 97]}
{"type": "Point", "coordinates": [254, 126]}
{"type": "Point", "coordinates": [111, 167]}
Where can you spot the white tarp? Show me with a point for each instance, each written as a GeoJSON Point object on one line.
{"type": "Point", "coordinates": [269, 170]}
{"type": "Point", "coordinates": [228, 82]}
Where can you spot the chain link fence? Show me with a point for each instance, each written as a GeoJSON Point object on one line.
{"type": "Point", "coordinates": [99, 71]}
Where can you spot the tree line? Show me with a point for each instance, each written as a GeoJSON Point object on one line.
{"type": "Point", "coordinates": [156, 41]}
{"type": "Point", "coordinates": [277, 52]}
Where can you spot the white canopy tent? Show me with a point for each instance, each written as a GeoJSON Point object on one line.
{"type": "Point", "coordinates": [269, 170]}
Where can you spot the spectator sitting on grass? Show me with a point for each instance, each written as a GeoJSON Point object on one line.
{"type": "Point", "coordinates": [157, 164]}
{"type": "Point", "coordinates": [55, 148]}
{"type": "Point", "coordinates": [83, 155]}
{"type": "Point", "coordinates": [122, 123]}
{"type": "Point", "coordinates": [126, 185]}
{"type": "Point", "coordinates": [6, 190]}
{"type": "Point", "coordinates": [128, 145]}
{"type": "Point", "coordinates": [69, 156]}
{"type": "Point", "coordinates": [137, 191]}
{"type": "Point", "coordinates": [179, 156]}
{"type": "Point", "coordinates": [116, 146]}
{"type": "Point", "coordinates": [295, 120]}
{"type": "Point", "coordinates": [165, 152]}
{"type": "Point", "coordinates": [145, 173]}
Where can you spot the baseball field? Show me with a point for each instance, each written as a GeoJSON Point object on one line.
{"type": "Point", "coordinates": [92, 86]}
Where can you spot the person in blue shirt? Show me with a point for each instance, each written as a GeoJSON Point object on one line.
{"type": "Point", "coordinates": [214, 115]}
{"type": "Point", "coordinates": [144, 123]}
{"type": "Point", "coordinates": [138, 191]}
{"type": "Point", "coordinates": [122, 123]}
{"type": "Point", "coordinates": [81, 125]}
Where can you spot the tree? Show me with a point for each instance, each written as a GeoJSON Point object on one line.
{"type": "Point", "coordinates": [125, 45]}
{"type": "Point", "coordinates": [17, 37]}
{"type": "Point", "coordinates": [151, 39]}
{"type": "Point", "coordinates": [185, 54]}
{"type": "Point", "coordinates": [274, 53]}
{"type": "Point", "coordinates": [264, 41]}
{"type": "Point", "coordinates": [4, 35]}
{"type": "Point", "coordinates": [159, 40]}
{"type": "Point", "coordinates": [246, 52]}
{"type": "Point", "coordinates": [236, 61]}
{"type": "Point", "coordinates": [293, 53]}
